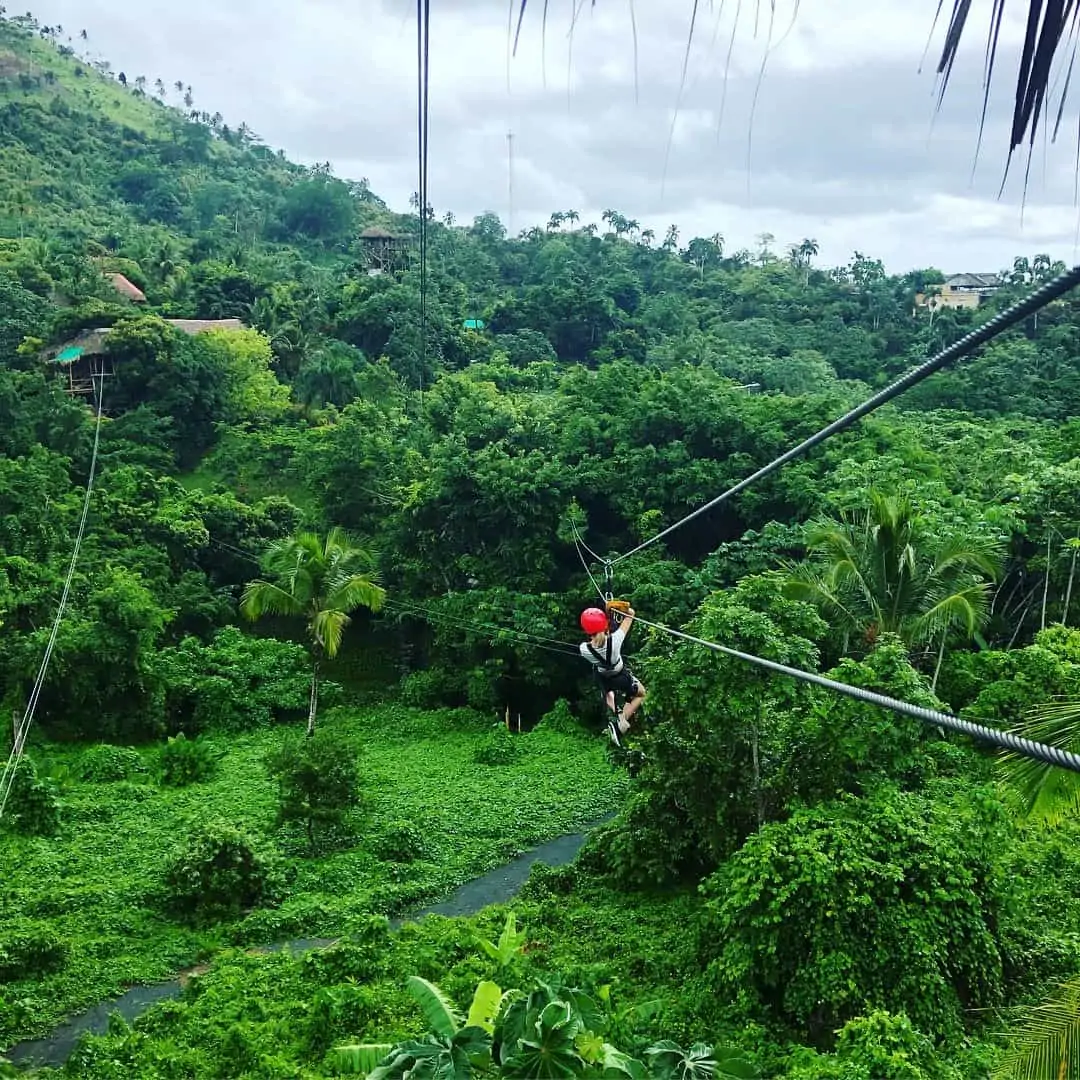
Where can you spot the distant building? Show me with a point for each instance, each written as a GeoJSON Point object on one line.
{"type": "Point", "coordinates": [960, 291]}
{"type": "Point", "coordinates": [127, 289]}
{"type": "Point", "coordinates": [384, 251]}
{"type": "Point", "coordinates": [84, 359]}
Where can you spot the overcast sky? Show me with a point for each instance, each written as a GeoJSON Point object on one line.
{"type": "Point", "coordinates": [844, 145]}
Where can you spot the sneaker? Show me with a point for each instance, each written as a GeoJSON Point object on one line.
{"type": "Point", "coordinates": [613, 733]}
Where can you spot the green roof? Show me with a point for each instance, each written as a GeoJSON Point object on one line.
{"type": "Point", "coordinates": [72, 352]}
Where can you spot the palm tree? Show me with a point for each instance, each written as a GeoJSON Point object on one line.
{"type": "Point", "coordinates": [321, 580]}
{"type": "Point", "coordinates": [884, 570]}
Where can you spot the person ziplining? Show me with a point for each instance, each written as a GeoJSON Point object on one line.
{"type": "Point", "coordinates": [603, 651]}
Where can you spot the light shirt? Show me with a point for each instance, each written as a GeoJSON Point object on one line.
{"type": "Point", "coordinates": [616, 641]}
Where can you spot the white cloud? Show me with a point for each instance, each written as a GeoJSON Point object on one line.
{"type": "Point", "coordinates": [843, 147]}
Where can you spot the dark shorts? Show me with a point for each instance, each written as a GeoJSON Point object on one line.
{"type": "Point", "coordinates": [623, 683]}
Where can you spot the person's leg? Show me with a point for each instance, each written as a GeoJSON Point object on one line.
{"type": "Point", "coordinates": [632, 706]}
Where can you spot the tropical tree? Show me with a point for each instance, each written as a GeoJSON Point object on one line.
{"type": "Point", "coordinates": [885, 569]}
{"type": "Point", "coordinates": [321, 579]}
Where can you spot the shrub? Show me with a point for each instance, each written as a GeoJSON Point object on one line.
{"type": "Point", "coordinates": [499, 747]}
{"type": "Point", "coordinates": [186, 761]}
{"type": "Point", "coordinates": [220, 871]}
{"type": "Point", "coordinates": [28, 951]}
{"type": "Point", "coordinates": [432, 688]}
{"type": "Point", "coordinates": [802, 917]}
{"type": "Point", "coordinates": [33, 808]}
{"type": "Point", "coordinates": [106, 764]}
{"type": "Point", "coordinates": [401, 842]}
{"type": "Point", "coordinates": [318, 782]}
{"type": "Point", "coordinates": [561, 719]}
{"type": "Point", "coordinates": [237, 682]}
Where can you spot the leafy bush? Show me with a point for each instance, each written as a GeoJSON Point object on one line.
{"type": "Point", "coordinates": [560, 718]}
{"type": "Point", "coordinates": [28, 951]}
{"type": "Point", "coordinates": [499, 747]}
{"type": "Point", "coordinates": [432, 688]}
{"type": "Point", "coordinates": [879, 1046]}
{"type": "Point", "coordinates": [401, 842]}
{"type": "Point", "coordinates": [318, 781]}
{"type": "Point", "coordinates": [237, 682]}
{"type": "Point", "coordinates": [220, 871]}
{"type": "Point", "coordinates": [106, 764]}
{"type": "Point", "coordinates": [32, 808]}
{"type": "Point", "coordinates": [186, 761]}
{"type": "Point", "coordinates": [885, 902]}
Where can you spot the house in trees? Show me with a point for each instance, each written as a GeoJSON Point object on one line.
{"type": "Point", "coordinates": [383, 251]}
{"type": "Point", "coordinates": [960, 291]}
{"type": "Point", "coordinates": [126, 288]}
{"type": "Point", "coordinates": [83, 360]}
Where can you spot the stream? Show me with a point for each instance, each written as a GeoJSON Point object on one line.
{"type": "Point", "coordinates": [494, 887]}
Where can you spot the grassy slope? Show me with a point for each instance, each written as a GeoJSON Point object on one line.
{"type": "Point", "coordinates": [90, 91]}
{"type": "Point", "coordinates": [97, 884]}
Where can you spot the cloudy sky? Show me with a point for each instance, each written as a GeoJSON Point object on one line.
{"type": "Point", "coordinates": [843, 145]}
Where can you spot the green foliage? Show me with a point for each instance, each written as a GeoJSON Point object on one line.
{"type": "Point", "coordinates": [33, 808]}
{"type": "Point", "coordinates": [30, 951]}
{"type": "Point", "coordinates": [878, 1046]}
{"type": "Point", "coordinates": [236, 682]}
{"type": "Point", "coordinates": [560, 717]}
{"type": "Point", "coordinates": [318, 782]}
{"type": "Point", "coordinates": [801, 920]}
{"type": "Point", "coordinates": [499, 747]}
{"type": "Point", "coordinates": [889, 569]}
{"type": "Point", "coordinates": [104, 764]}
{"type": "Point", "coordinates": [187, 761]}
{"type": "Point", "coordinates": [401, 842]}
{"type": "Point", "coordinates": [509, 944]}
{"type": "Point", "coordinates": [219, 871]}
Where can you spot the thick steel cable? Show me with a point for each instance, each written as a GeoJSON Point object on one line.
{"type": "Point", "coordinates": [1051, 755]}
{"type": "Point", "coordinates": [1002, 321]}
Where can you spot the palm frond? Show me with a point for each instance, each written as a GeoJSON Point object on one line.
{"type": "Point", "coordinates": [265, 598]}
{"type": "Point", "coordinates": [327, 627]}
{"type": "Point", "coordinates": [965, 609]}
{"type": "Point", "coordinates": [355, 590]}
{"type": "Point", "coordinates": [1049, 795]}
{"type": "Point", "coordinates": [1046, 1044]}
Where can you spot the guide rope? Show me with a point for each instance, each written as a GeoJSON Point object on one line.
{"type": "Point", "coordinates": [22, 727]}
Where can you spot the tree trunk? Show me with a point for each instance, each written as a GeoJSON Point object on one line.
{"type": "Point", "coordinates": [314, 705]}
{"type": "Point", "coordinates": [759, 809]}
{"type": "Point", "coordinates": [1068, 590]}
{"type": "Point", "coordinates": [937, 666]}
{"type": "Point", "coordinates": [1046, 581]}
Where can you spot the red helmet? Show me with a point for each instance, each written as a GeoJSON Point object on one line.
{"type": "Point", "coordinates": [593, 620]}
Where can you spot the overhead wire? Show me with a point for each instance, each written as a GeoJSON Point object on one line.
{"type": "Point", "coordinates": [521, 637]}
{"type": "Point", "coordinates": [1051, 755]}
{"type": "Point", "coordinates": [22, 728]}
{"type": "Point", "coordinates": [423, 55]}
{"type": "Point", "coordinates": [1042, 296]}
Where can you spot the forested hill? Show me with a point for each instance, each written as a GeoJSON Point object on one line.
{"type": "Point", "coordinates": [795, 865]}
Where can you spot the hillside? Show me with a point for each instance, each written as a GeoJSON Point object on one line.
{"type": "Point", "coordinates": [818, 889]}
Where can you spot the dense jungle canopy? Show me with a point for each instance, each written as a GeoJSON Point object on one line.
{"type": "Point", "coordinates": [299, 483]}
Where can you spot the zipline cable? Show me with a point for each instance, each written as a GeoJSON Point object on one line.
{"type": "Point", "coordinates": [1042, 296]}
{"type": "Point", "coordinates": [1051, 755]}
{"type": "Point", "coordinates": [7, 779]}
